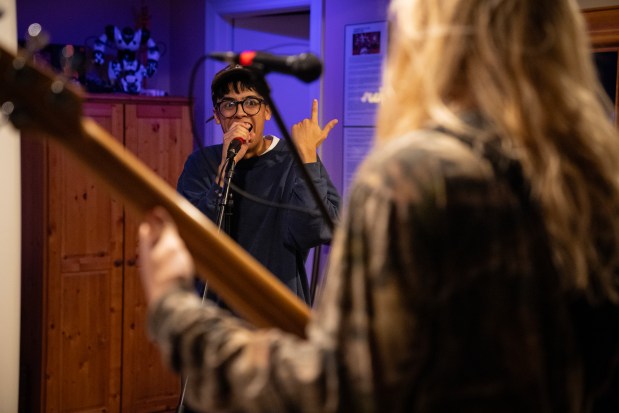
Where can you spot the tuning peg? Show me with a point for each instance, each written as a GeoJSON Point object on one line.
{"type": "Point", "coordinates": [36, 39]}
{"type": "Point", "coordinates": [18, 118]}
{"type": "Point", "coordinates": [7, 108]}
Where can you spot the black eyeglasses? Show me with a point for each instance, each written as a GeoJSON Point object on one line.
{"type": "Point", "coordinates": [228, 107]}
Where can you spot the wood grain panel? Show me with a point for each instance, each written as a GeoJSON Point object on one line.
{"type": "Point", "coordinates": [160, 136]}
{"type": "Point", "coordinates": [84, 287]}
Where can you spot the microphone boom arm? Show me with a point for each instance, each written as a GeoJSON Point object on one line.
{"type": "Point", "coordinates": [263, 89]}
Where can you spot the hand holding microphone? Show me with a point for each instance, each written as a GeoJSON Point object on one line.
{"type": "Point", "coordinates": [235, 144]}
{"type": "Point", "coordinates": [237, 136]}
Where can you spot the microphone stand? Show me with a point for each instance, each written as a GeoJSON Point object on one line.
{"type": "Point", "coordinates": [225, 203]}
{"type": "Point", "coordinates": [224, 212]}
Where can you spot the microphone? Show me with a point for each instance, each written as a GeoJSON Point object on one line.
{"type": "Point", "coordinates": [305, 66]}
{"type": "Point", "coordinates": [234, 147]}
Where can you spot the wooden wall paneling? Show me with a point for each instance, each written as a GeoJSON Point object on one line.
{"type": "Point", "coordinates": [603, 25]}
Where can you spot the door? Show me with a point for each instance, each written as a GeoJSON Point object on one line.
{"type": "Point", "coordinates": [159, 134]}
{"type": "Point", "coordinates": [84, 283]}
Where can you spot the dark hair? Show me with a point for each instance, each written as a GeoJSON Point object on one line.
{"type": "Point", "coordinates": [235, 77]}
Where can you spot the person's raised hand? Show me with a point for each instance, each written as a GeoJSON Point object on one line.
{"type": "Point", "coordinates": [308, 135]}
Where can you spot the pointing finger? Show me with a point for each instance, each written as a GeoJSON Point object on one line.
{"type": "Point", "coordinates": [315, 111]}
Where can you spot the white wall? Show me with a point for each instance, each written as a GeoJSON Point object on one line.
{"type": "Point", "coordinates": [10, 240]}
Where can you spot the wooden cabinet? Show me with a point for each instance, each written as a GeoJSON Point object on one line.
{"type": "Point", "coordinates": [84, 343]}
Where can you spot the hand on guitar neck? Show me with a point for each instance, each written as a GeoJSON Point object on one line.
{"type": "Point", "coordinates": [165, 261]}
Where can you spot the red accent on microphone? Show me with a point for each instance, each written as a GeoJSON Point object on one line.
{"type": "Point", "coordinates": [247, 58]}
{"type": "Point", "coordinates": [239, 139]}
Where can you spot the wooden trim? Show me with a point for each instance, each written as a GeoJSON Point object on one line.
{"type": "Point", "coordinates": [603, 26]}
{"type": "Point", "coordinates": [134, 99]}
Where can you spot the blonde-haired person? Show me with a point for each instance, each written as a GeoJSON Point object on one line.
{"type": "Point", "coordinates": [476, 267]}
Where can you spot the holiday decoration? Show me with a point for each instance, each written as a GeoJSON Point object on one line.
{"type": "Point", "coordinates": [126, 72]}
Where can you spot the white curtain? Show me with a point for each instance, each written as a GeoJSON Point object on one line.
{"type": "Point", "coordinates": [10, 236]}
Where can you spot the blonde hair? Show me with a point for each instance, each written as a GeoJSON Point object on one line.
{"type": "Point", "coordinates": [526, 67]}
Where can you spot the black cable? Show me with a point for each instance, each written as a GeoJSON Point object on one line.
{"type": "Point", "coordinates": [261, 201]}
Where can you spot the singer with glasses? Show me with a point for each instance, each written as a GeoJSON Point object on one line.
{"type": "Point", "coordinates": [279, 238]}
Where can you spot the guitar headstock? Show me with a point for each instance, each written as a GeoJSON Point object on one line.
{"type": "Point", "coordinates": [37, 98]}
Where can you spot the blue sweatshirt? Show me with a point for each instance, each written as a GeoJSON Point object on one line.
{"type": "Point", "coordinates": [278, 238]}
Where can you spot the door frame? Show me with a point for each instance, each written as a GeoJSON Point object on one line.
{"type": "Point", "coordinates": [219, 14]}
